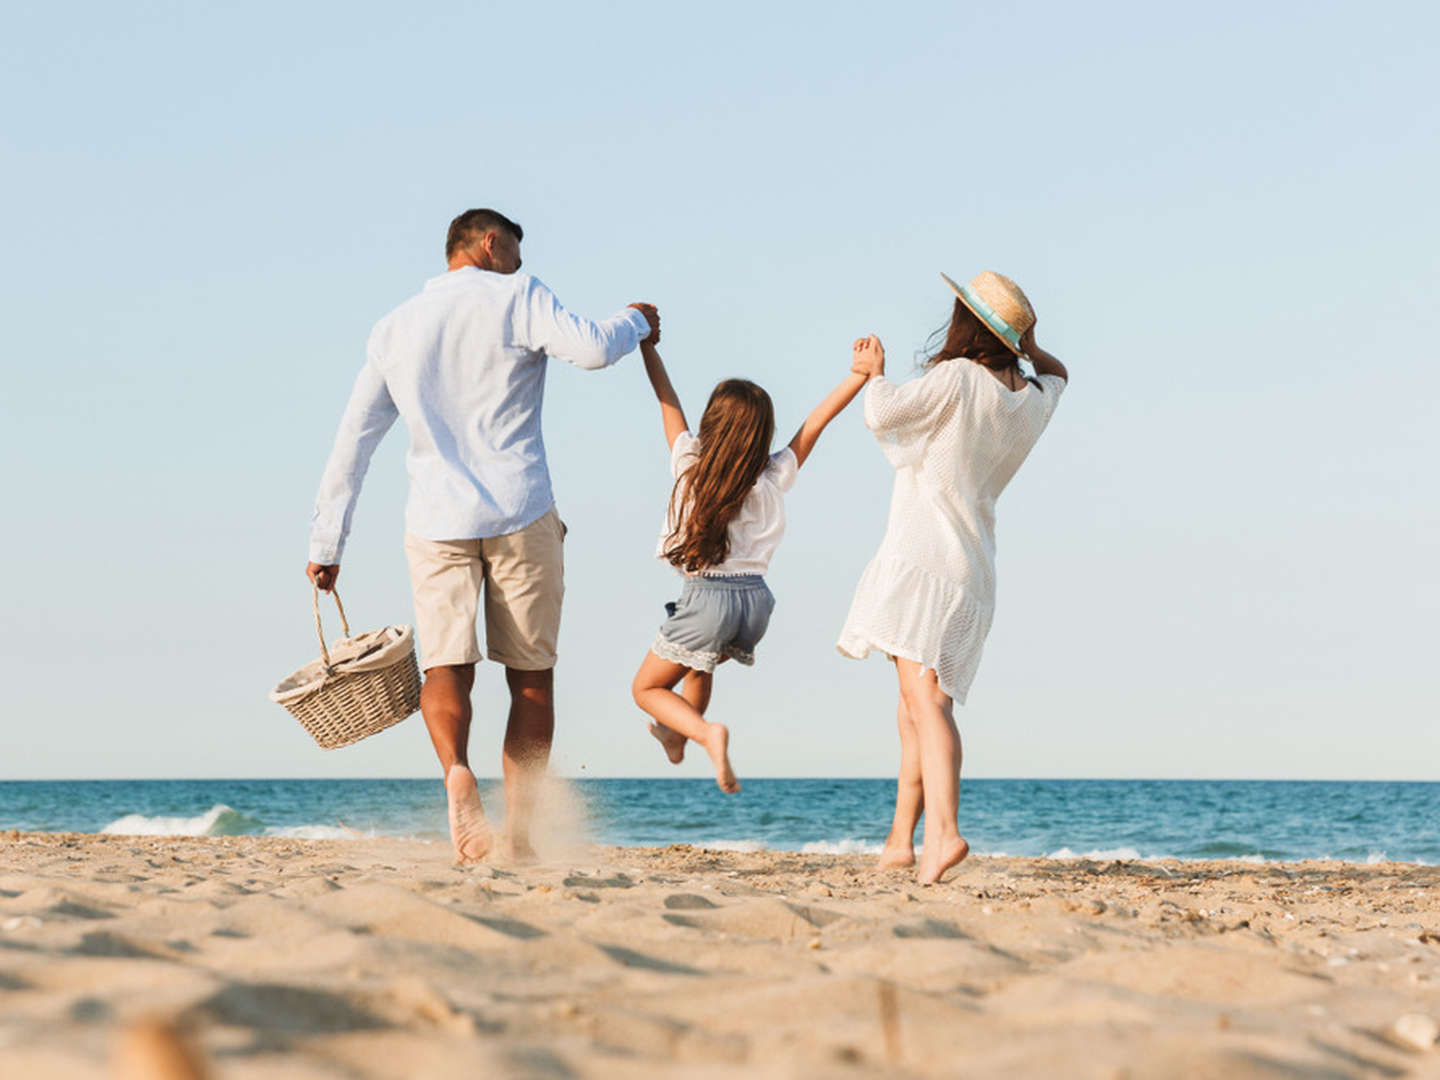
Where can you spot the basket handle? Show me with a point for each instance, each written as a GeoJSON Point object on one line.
{"type": "Point", "coordinates": [320, 630]}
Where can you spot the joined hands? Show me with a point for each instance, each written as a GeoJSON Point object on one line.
{"type": "Point", "coordinates": [652, 316]}
{"type": "Point", "coordinates": [867, 357]}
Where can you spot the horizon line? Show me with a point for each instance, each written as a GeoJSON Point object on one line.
{"type": "Point", "coordinates": [706, 779]}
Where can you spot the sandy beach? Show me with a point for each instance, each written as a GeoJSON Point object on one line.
{"type": "Point", "coordinates": [374, 958]}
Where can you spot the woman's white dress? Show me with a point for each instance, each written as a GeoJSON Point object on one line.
{"type": "Point", "coordinates": [956, 436]}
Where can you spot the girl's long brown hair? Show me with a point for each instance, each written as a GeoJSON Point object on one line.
{"type": "Point", "coordinates": [967, 336]}
{"type": "Point", "coordinates": [735, 434]}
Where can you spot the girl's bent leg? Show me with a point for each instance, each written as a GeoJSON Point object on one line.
{"type": "Point", "coordinates": [909, 796]}
{"type": "Point", "coordinates": [696, 690]}
{"type": "Point", "coordinates": [933, 714]}
{"type": "Point", "coordinates": [653, 692]}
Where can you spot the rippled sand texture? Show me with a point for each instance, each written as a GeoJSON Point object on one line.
{"type": "Point", "coordinates": [285, 958]}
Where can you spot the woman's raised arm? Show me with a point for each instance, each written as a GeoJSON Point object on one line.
{"type": "Point", "coordinates": [1045, 363]}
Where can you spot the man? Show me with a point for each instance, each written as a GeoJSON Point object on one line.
{"type": "Point", "coordinates": [464, 364]}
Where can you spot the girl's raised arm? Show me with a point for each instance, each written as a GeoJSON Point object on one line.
{"type": "Point", "coordinates": [834, 403]}
{"type": "Point", "coordinates": [670, 411]}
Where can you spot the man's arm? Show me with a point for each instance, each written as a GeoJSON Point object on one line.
{"type": "Point", "coordinates": [368, 416]}
{"type": "Point", "coordinates": [671, 414]}
{"type": "Point", "coordinates": [548, 327]}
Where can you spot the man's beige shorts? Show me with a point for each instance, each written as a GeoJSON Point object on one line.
{"type": "Point", "coordinates": [523, 577]}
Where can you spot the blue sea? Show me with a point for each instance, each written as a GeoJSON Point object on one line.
{"type": "Point", "coordinates": [1254, 821]}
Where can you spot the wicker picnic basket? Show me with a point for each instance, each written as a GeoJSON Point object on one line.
{"type": "Point", "coordinates": [360, 685]}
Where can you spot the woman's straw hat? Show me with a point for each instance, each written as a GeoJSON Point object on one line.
{"type": "Point", "coordinates": [998, 303]}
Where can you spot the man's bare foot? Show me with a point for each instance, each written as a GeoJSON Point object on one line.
{"type": "Point", "coordinates": [516, 852]}
{"type": "Point", "coordinates": [934, 863]}
{"type": "Point", "coordinates": [717, 745]}
{"type": "Point", "coordinates": [468, 829]}
{"type": "Point", "coordinates": [672, 741]}
{"type": "Point", "coordinates": [894, 856]}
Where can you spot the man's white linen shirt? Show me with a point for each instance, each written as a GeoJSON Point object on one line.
{"type": "Point", "coordinates": [464, 364]}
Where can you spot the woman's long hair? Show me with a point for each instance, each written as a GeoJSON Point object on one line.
{"type": "Point", "coordinates": [967, 336]}
{"type": "Point", "coordinates": [735, 434]}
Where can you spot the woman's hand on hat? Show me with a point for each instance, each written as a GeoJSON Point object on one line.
{"type": "Point", "coordinates": [1027, 341]}
{"type": "Point", "coordinates": [867, 356]}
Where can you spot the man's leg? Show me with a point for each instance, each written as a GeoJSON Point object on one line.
{"type": "Point", "coordinates": [528, 734]}
{"type": "Point", "coordinates": [524, 590]}
{"type": "Point", "coordinates": [445, 577]}
{"type": "Point", "coordinates": [445, 704]}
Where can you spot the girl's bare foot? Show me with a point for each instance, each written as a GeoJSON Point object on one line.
{"type": "Point", "coordinates": [894, 856]}
{"type": "Point", "coordinates": [717, 745]}
{"type": "Point", "coordinates": [936, 858]}
{"type": "Point", "coordinates": [672, 741]}
{"type": "Point", "coordinates": [468, 830]}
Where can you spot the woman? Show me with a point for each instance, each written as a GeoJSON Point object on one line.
{"type": "Point", "coordinates": [956, 436]}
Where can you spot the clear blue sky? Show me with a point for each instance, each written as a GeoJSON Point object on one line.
{"type": "Point", "coordinates": [1220, 560]}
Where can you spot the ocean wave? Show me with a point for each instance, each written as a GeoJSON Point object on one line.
{"type": "Point", "coordinates": [222, 820]}
{"type": "Point", "coordinates": [319, 832]}
{"type": "Point", "coordinates": [1124, 854]}
{"type": "Point", "coordinates": [841, 847]}
{"type": "Point", "coordinates": [219, 820]}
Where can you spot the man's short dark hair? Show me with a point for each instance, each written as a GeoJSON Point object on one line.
{"type": "Point", "coordinates": [473, 224]}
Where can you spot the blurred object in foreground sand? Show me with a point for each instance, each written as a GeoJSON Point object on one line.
{"type": "Point", "coordinates": [152, 1049]}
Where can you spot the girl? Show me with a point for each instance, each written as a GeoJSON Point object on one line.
{"type": "Point", "coordinates": [726, 517]}
{"type": "Point", "coordinates": [956, 436]}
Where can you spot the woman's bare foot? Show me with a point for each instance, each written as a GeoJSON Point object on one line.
{"type": "Point", "coordinates": [672, 741]}
{"type": "Point", "coordinates": [717, 745]}
{"type": "Point", "coordinates": [936, 858]}
{"type": "Point", "coordinates": [469, 831]}
{"type": "Point", "coordinates": [894, 856]}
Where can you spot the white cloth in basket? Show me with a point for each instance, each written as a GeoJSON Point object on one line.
{"type": "Point", "coordinates": [373, 650]}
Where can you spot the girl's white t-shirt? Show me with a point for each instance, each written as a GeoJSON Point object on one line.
{"type": "Point", "coordinates": [755, 532]}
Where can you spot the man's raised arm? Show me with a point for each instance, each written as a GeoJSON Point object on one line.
{"type": "Point", "coordinates": [547, 326]}
{"type": "Point", "coordinates": [368, 416]}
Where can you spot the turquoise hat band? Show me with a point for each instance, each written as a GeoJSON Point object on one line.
{"type": "Point", "coordinates": [1002, 329]}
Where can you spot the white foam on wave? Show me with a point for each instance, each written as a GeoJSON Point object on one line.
{"type": "Point", "coordinates": [1124, 854]}
{"type": "Point", "coordinates": [840, 847]}
{"type": "Point", "coordinates": [1127, 854]}
{"type": "Point", "coordinates": [203, 825]}
{"type": "Point", "coordinates": [732, 845]}
{"type": "Point", "coordinates": [318, 832]}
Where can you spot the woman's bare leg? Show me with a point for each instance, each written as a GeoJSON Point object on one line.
{"type": "Point", "coordinates": [909, 796]}
{"type": "Point", "coordinates": [653, 691]}
{"type": "Point", "coordinates": [934, 716]}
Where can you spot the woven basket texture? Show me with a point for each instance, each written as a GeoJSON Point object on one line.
{"type": "Point", "coordinates": [371, 682]}
{"type": "Point", "coordinates": [348, 708]}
